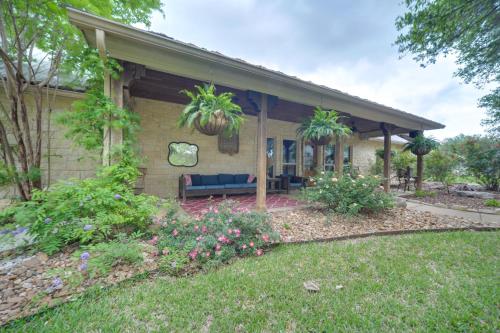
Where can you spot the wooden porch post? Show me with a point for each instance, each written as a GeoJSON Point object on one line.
{"type": "Point", "coordinates": [339, 156]}
{"type": "Point", "coordinates": [261, 154]}
{"type": "Point", "coordinates": [112, 88]}
{"type": "Point", "coordinates": [387, 157]}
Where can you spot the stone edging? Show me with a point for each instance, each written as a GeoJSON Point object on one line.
{"type": "Point", "coordinates": [494, 211]}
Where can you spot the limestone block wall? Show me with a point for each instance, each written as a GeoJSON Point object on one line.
{"type": "Point", "coordinates": [159, 128]}
{"type": "Point", "coordinates": [66, 159]}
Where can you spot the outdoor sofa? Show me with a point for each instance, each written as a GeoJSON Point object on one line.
{"type": "Point", "coordinates": [193, 185]}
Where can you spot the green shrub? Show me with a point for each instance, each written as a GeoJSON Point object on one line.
{"type": "Point", "coordinates": [349, 196]}
{"type": "Point", "coordinates": [402, 160]}
{"type": "Point", "coordinates": [439, 166]}
{"type": "Point", "coordinates": [424, 194]}
{"type": "Point", "coordinates": [84, 211]}
{"type": "Point", "coordinates": [492, 203]}
{"type": "Point", "coordinates": [99, 259]}
{"type": "Point", "coordinates": [216, 236]}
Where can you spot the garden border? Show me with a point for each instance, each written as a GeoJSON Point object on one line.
{"type": "Point", "coordinates": [494, 211]}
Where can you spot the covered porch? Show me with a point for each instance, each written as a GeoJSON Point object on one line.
{"type": "Point", "coordinates": [157, 68]}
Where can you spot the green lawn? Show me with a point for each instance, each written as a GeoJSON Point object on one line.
{"type": "Point", "coordinates": [425, 282]}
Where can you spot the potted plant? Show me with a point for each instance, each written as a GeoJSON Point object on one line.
{"type": "Point", "coordinates": [211, 114]}
{"type": "Point", "coordinates": [322, 127]}
{"type": "Point", "coordinates": [421, 146]}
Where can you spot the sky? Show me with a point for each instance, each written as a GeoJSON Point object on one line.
{"type": "Point", "coordinates": [343, 44]}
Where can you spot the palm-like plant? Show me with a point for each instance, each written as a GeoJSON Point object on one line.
{"type": "Point", "coordinates": [421, 146]}
{"type": "Point", "coordinates": [210, 113]}
{"type": "Point", "coordinates": [322, 127]}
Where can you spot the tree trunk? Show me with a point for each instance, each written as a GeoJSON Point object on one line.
{"type": "Point", "coordinates": [420, 171]}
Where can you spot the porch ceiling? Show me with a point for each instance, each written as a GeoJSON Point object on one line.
{"type": "Point", "coordinates": [166, 87]}
{"type": "Point", "coordinates": [183, 64]}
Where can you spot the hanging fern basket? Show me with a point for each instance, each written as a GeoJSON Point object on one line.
{"type": "Point", "coordinates": [215, 126]}
{"type": "Point", "coordinates": [421, 151]}
{"type": "Point", "coordinates": [322, 141]}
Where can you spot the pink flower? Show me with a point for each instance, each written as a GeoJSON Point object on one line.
{"type": "Point", "coordinates": [154, 253]}
{"type": "Point", "coordinates": [198, 218]}
{"type": "Point", "coordinates": [259, 252]}
{"type": "Point", "coordinates": [229, 220]}
{"type": "Point", "coordinates": [154, 240]}
{"type": "Point", "coordinates": [229, 231]}
{"type": "Point", "coordinates": [204, 229]}
{"type": "Point", "coordinates": [251, 244]}
{"type": "Point", "coordinates": [216, 211]}
{"type": "Point", "coordinates": [211, 219]}
{"type": "Point", "coordinates": [196, 228]}
{"type": "Point", "coordinates": [199, 238]}
{"type": "Point", "coordinates": [237, 232]}
{"type": "Point", "coordinates": [193, 254]}
{"type": "Point", "coordinates": [217, 247]}
{"type": "Point", "coordinates": [207, 254]}
{"type": "Point", "coordinates": [165, 251]}
{"type": "Point", "coordinates": [175, 233]}
{"type": "Point", "coordinates": [265, 238]}
{"type": "Point", "coordinates": [244, 246]}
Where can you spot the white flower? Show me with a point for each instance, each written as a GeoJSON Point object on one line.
{"type": "Point", "coordinates": [334, 179]}
{"type": "Point", "coordinates": [381, 187]}
{"type": "Point", "coordinates": [322, 172]}
{"type": "Point", "coordinates": [361, 176]}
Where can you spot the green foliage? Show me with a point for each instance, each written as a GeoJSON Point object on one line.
{"type": "Point", "coordinates": [85, 211]}
{"type": "Point", "coordinates": [215, 237]}
{"type": "Point", "coordinates": [106, 255]}
{"type": "Point", "coordinates": [380, 153]}
{"type": "Point", "coordinates": [403, 160]}
{"type": "Point", "coordinates": [424, 194]}
{"type": "Point", "coordinates": [468, 29]}
{"type": "Point", "coordinates": [421, 145]}
{"type": "Point", "coordinates": [492, 203]}
{"type": "Point", "coordinates": [174, 262]}
{"type": "Point", "coordinates": [377, 168]}
{"type": "Point", "coordinates": [349, 196]}
{"type": "Point", "coordinates": [323, 124]}
{"type": "Point", "coordinates": [439, 166]}
{"type": "Point", "coordinates": [481, 157]}
{"type": "Point", "coordinates": [207, 106]}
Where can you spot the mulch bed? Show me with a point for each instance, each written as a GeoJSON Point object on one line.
{"type": "Point", "coordinates": [313, 224]}
{"type": "Point", "coordinates": [451, 200]}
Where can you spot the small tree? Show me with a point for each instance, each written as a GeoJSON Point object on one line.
{"type": "Point", "coordinates": [482, 159]}
{"type": "Point", "coordinates": [36, 43]}
{"type": "Point", "coordinates": [440, 166]}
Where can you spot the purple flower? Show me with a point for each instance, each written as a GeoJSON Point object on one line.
{"type": "Point", "coordinates": [5, 231]}
{"type": "Point", "coordinates": [83, 266]}
{"type": "Point", "coordinates": [84, 256]}
{"type": "Point", "coordinates": [48, 220]}
{"type": "Point", "coordinates": [19, 230]}
{"type": "Point", "coordinates": [57, 282]}
{"type": "Point", "coordinates": [87, 227]}
{"type": "Point", "coordinates": [118, 197]}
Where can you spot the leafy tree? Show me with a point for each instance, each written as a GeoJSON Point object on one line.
{"type": "Point", "coordinates": [481, 156]}
{"type": "Point", "coordinates": [440, 166]}
{"type": "Point", "coordinates": [467, 29]}
{"type": "Point", "coordinates": [37, 46]}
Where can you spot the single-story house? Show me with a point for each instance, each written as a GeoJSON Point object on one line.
{"type": "Point", "coordinates": [157, 68]}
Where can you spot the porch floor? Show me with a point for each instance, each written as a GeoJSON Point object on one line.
{"type": "Point", "coordinates": [199, 206]}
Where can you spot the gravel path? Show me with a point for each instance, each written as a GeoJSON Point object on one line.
{"type": "Point", "coordinates": [311, 224]}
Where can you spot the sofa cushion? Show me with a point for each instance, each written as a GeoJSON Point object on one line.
{"type": "Point", "coordinates": [247, 185]}
{"type": "Point", "coordinates": [196, 180]}
{"type": "Point", "coordinates": [199, 187]}
{"type": "Point", "coordinates": [214, 187]}
{"type": "Point", "coordinates": [241, 178]}
{"type": "Point", "coordinates": [209, 180]}
{"type": "Point", "coordinates": [233, 185]}
{"type": "Point", "coordinates": [225, 178]}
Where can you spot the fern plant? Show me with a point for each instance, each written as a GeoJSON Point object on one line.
{"type": "Point", "coordinates": [421, 145]}
{"type": "Point", "coordinates": [322, 127]}
{"type": "Point", "coordinates": [210, 113]}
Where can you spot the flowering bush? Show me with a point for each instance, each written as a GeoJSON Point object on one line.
{"type": "Point", "coordinates": [84, 211]}
{"type": "Point", "coordinates": [349, 196]}
{"type": "Point", "coordinates": [218, 235]}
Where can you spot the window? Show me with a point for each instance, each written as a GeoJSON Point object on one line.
{"type": "Point", "coordinates": [330, 156]}
{"type": "Point", "coordinates": [182, 154]}
{"type": "Point", "coordinates": [308, 159]}
{"type": "Point", "coordinates": [289, 157]}
{"type": "Point", "coordinates": [270, 157]}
